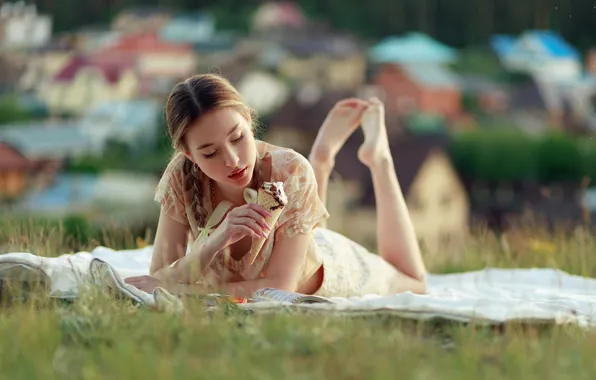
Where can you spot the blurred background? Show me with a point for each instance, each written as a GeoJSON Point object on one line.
{"type": "Point", "coordinates": [490, 104]}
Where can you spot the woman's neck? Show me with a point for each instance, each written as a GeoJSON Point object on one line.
{"type": "Point", "coordinates": [234, 195]}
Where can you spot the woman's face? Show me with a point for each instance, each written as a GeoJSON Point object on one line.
{"type": "Point", "coordinates": [222, 144]}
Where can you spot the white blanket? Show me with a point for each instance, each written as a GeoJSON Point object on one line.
{"type": "Point", "coordinates": [485, 296]}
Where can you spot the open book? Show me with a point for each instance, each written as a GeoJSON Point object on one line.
{"type": "Point", "coordinates": [271, 294]}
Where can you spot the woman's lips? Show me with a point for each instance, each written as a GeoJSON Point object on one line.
{"type": "Point", "coordinates": [238, 174]}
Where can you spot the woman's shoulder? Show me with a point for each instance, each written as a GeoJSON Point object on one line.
{"type": "Point", "coordinates": [172, 175]}
{"type": "Point", "coordinates": [284, 161]}
{"type": "Point", "coordinates": [176, 163]}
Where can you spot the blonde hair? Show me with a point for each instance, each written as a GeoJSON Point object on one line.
{"type": "Point", "coordinates": [187, 102]}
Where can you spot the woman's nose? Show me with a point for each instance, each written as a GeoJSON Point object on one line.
{"type": "Point", "coordinates": [231, 158]}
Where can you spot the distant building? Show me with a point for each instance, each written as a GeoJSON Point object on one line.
{"type": "Point", "coordinates": [539, 52]}
{"type": "Point", "coordinates": [412, 48]}
{"type": "Point", "coordinates": [21, 27]}
{"type": "Point", "coordinates": [87, 81]}
{"type": "Point", "coordinates": [153, 58]}
{"type": "Point", "coordinates": [47, 141]}
{"type": "Point", "coordinates": [133, 122]}
{"type": "Point", "coordinates": [14, 172]}
{"type": "Point", "coordinates": [276, 16]}
{"type": "Point", "coordinates": [141, 19]}
{"type": "Point", "coordinates": [411, 75]}
{"type": "Point", "coordinates": [189, 28]}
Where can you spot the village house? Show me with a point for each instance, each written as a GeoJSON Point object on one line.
{"type": "Point", "coordinates": [141, 19]}
{"type": "Point", "coordinates": [412, 75]}
{"type": "Point", "coordinates": [278, 16]}
{"type": "Point", "coordinates": [189, 28]}
{"type": "Point", "coordinates": [419, 88]}
{"type": "Point", "coordinates": [542, 53]}
{"type": "Point", "coordinates": [135, 123]}
{"type": "Point", "coordinates": [302, 50]}
{"type": "Point", "coordinates": [89, 39]}
{"type": "Point", "coordinates": [330, 60]}
{"type": "Point", "coordinates": [155, 60]}
{"type": "Point", "coordinates": [87, 81]}
{"type": "Point", "coordinates": [263, 91]}
{"type": "Point", "coordinates": [47, 141]}
{"type": "Point", "coordinates": [44, 63]}
{"type": "Point", "coordinates": [154, 56]}
{"type": "Point", "coordinates": [11, 68]}
{"type": "Point", "coordinates": [435, 195]}
{"type": "Point", "coordinates": [109, 197]}
{"type": "Point", "coordinates": [21, 27]}
{"type": "Point", "coordinates": [14, 172]}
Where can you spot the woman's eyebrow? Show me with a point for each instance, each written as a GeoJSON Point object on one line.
{"type": "Point", "coordinates": [209, 144]}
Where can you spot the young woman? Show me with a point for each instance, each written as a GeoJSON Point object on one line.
{"type": "Point", "coordinates": [217, 157]}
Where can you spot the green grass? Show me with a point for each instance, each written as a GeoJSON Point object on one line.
{"type": "Point", "coordinates": [99, 338]}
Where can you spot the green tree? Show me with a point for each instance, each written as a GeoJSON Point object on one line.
{"type": "Point", "coordinates": [494, 156]}
{"type": "Point", "coordinates": [558, 158]}
{"type": "Point", "coordinates": [11, 111]}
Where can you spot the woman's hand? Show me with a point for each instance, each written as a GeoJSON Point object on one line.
{"type": "Point", "coordinates": [144, 283]}
{"type": "Point", "coordinates": [242, 221]}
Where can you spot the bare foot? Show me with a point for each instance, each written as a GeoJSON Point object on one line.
{"type": "Point", "coordinates": [340, 123]}
{"type": "Point", "coordinates": [375, 148]}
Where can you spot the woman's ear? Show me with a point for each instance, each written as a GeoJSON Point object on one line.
{"type": "Point", "coordinates": [187, 154]}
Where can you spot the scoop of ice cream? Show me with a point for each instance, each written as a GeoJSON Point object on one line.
{"type": "Point", "coordinates": [277, 190]}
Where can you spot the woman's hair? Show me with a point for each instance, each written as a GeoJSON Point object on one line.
{"type": "Point", "coordinates": [187, 102]}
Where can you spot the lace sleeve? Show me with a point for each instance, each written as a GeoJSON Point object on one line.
{"type": "Point", "coordinates": [169, 192]}
{"type": "Point", "coordinates": [304, 210]}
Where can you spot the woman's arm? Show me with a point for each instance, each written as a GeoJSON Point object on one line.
{"type": "Point", "coordinates": [190, 268]}
{"type": "Point", "coordinates": [170, 242]}
{"type": "Point", "coordinates": [170, 246]}
{"type": "Point", "coordinates": [237, 224]}
{"type": "Point", "coordinates": [283, 272]}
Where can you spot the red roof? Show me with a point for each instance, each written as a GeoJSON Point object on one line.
{"type": "Point", "coordinates": [11, 158]}
{"type": "Point", "coordinates": [144, 43]}
{"type": "Point", "coordinates": [111, 67]}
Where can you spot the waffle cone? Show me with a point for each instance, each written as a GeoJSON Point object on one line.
{"type": "Point", "coordinates": [268, 202]}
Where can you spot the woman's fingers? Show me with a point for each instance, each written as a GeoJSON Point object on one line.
{"type": "Point", "coordinates": [260, 209]}
{"type": "Point", "coordinates": [249, 222]}
{"type": "Point", "coordinates": [245, 230]}
{"type": "Point", "coordinates": [256, 216]}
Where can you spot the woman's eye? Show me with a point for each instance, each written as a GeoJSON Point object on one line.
{"type": "Point", "coordinates": [209, 155]}
{"type": "Point", "coordinates": [238, 139]}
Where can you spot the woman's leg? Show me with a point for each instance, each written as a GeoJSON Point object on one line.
{"type": "Point", "coordinates": [396, 239]}
{"type": "Point", "coordinates": [339, 124]}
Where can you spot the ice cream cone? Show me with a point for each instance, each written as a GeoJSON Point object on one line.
{"type": "Point", "coordinates": [274, 204]}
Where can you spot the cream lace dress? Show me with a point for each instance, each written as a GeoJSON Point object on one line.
{"type": "Point", "coordinates": [349, 269]}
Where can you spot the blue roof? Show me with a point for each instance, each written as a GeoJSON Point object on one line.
{"type": "Point", "coordinates": [189, 28]}
{"type": "Point", "coordinates": [127, 114]}
{"type": "Point", "coordinates": [502, 44]}
{"type": "Point", "coordinates": [45, 139]}
{"type": "Point", "coordinates": [431, 75]}
{"type": "Point", "coordinates": [554, 43]}
{"type": "Point", "coordinates": [217, 42]}
{"type": "Point", "coordinates": [412, 48]}
{"type": "Point", "coordinates": [67, 190]}
{"type": "Point", "coordinates": [549, 43]}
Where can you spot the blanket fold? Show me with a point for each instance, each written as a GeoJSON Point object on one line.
{"type": "Point", "coordinates": [492, 295]}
